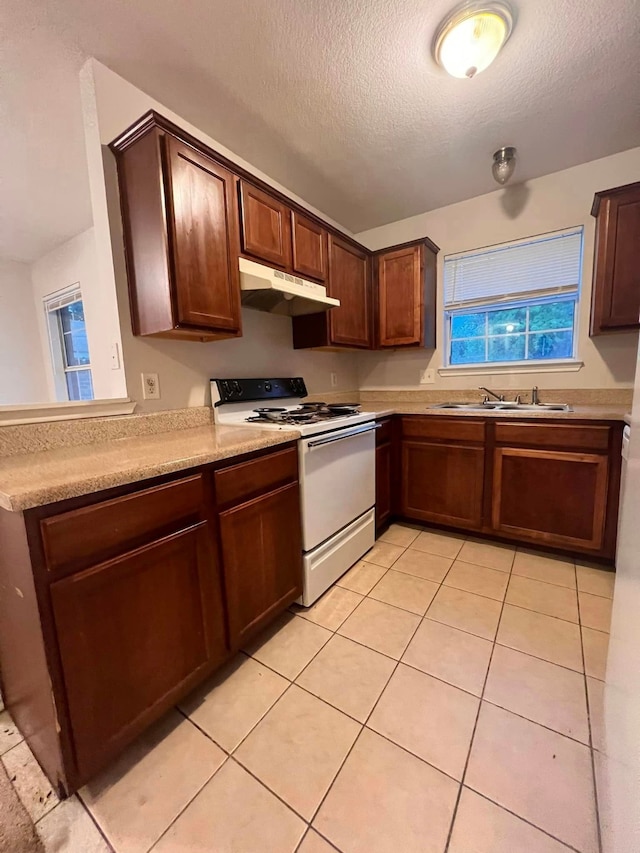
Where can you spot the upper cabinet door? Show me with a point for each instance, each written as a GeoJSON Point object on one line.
{"type": "Point", "coordinates": [401, 297]}
{"type": "Point", "coordinates": [349, 281]}
{"type": "Point", "coordinates": [266, 227]}
{"type": "Point", "coordinates": [309, 247]}
{"type": "Point", "coordinates": [616, 275]}
{"type": "Point", "coordinates": [204, 238]}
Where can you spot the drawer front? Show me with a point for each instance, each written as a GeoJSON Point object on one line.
{"type": "Point", "coordinates": [383, 431]}
{"type": "Point", "coordinates": [443, 429]}
{"type": "Point", "coordinates": [242, 482]}
{"type": "Point", "coordinates": [103, 530]}
{"type": "Point", "coordinates": [570, 436]}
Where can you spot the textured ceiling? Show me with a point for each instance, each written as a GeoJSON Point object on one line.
{"type": "Point", "coordinates": [337, 99]}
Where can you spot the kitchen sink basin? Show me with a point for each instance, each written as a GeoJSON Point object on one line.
{"type": "Point", "coordinates": [506, 406]}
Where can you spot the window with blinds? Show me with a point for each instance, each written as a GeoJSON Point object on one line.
{"type": "Point", "coordinates": [515, 302]}
{"type": "Point", "coordinates": [69, 345]}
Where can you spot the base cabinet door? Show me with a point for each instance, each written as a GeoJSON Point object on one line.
{"type": "Point", "coordinates": [552, 497]}
{"type": "Point", "coordinates": [262, 558]}
{"type": "Point", "coordinates": [442, 483]}
{"type": "Point", "coordinates": [135, 633]}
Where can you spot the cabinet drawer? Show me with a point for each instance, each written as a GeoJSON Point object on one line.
{"type": "Point", "coordinates": [571, 436]}
{"type": "Point", "coordinates": [383, 431]}
{"type": "Point", "coordinates": [241, 482]}
{"type": "Point", "coordinates": [76, 538]}
{"type": "Point", "coordinates": [443, 429]}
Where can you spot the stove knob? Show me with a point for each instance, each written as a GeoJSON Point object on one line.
{"type": "Point", "coordinates": [237, 388]}
{"type": "Point", "coordinates": [267, 386]}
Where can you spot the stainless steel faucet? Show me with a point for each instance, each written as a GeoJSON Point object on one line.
{"type": "Point", "coordinates": [499, 397]}
{"type": "Point", "coordinates": [535, 397]}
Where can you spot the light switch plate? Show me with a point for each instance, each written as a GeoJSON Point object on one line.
{"type": "Point", "coordinates": [427, 376]}
{"type": "Point", "coordinates": [334, 380]}
{"type": "Point", "coordinates": [150, 386]}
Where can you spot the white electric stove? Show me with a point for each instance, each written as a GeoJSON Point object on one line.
{"type": "Point", "coordinates": [336, 454]}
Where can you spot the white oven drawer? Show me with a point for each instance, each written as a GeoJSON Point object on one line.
{"type": "Point", "coordinates": [329, 561]}
{"type": "Point", "coordinates": [337, 480]}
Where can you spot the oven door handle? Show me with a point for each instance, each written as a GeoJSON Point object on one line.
{"type": "Point", "coordinates": [343, 435]}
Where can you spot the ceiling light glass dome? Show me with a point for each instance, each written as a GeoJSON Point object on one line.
{"type": "Point", "coordinates": [471, 36]}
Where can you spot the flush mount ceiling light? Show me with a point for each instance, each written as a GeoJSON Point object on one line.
{"type": "Point", "coordinates": [471, 36]}
{"type": "Point", "coordinates": [504, 164]}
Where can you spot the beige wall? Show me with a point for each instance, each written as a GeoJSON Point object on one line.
{"type": "Point", "coordinates": [22, 374]}
{"type": "Point", "coordinates": [77, 261]}
{"type": "Point", "coordinates": [556, 201]}
{"type": "Point", "coordinates": [110, 104]}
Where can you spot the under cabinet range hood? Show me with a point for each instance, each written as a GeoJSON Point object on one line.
{"type": "Point", "coordinates": [268, 289]}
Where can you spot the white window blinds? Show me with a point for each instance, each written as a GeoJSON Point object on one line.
{"type": "Point", "coordinates": [62, 298]}
{"type": "Point", "coordinates": [532, 268]}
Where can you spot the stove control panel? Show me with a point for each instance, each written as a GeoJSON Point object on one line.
{"type": "Point", "coordinates": [249, 390]}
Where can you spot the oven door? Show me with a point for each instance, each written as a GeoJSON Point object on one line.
{"type": "Point", "coordinates": [337, 480]}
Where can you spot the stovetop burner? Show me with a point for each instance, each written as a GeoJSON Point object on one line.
{"type": "Point", "coordinates": [308, 413]}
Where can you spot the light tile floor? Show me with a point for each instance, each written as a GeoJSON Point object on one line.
{"type": "Point", "coordinates": [445, 695]}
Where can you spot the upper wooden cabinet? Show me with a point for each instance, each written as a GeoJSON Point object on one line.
{"type": "Point", "coordinates": [405, 278]}
{"type": "Point", "coordinates": [349, 281]}
{"type": "Point", "coordinates": [180, 216]}
{"type": "Point", "coordinates": [309, 247]}
{"type": "Point", "coordinates": [615, 302]}
{"type": "Point", "coordinates": [266, 226]}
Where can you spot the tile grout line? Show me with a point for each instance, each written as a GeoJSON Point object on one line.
{"type": "Point", "coordinates": [364, 725]}
{"type": "Point", "coordinates": [475, 725]}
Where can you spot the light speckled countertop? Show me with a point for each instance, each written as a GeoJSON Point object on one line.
{"type": "Point", "coordinates": [34, 479]}
{"type": "Point", "coordinates": [590, 413]}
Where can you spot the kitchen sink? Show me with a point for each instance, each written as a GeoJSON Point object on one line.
{"type": "Point", "coordinates": [506, 406]}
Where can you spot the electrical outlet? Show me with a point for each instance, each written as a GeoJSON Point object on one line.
{"type": "Point", "coordinates": [150, 386]}
{"type": "Point", "coordinates": [427, 376]}
{"type": "Point", "coordinates": [334, 380]}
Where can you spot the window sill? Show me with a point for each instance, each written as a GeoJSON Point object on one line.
{"type": "Point", "coordinates": [42, 412]}
{"type": "Point", "coordinates": [567, 365]}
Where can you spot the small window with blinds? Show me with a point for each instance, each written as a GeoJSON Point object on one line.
{"type": "Point", "coordinates": [514, 303]}
{"type": "Point", "coordinates": [69, 345]}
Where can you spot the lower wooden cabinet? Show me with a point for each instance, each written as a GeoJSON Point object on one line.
{"type": "Point", "coordinates": [105, 637]}
{"type": "Point", "coordinates": [134, 633]}
{"type": "Point", "coordinates": [550, 483]}
{"type": "Point", "coordinates": [384, 457]}
{"type": "Point", "coordinates": [443, 483]}
{"type": "Point", "coordinates": [558, 498]}
{"type": "Point", "coordinates": [262, 559]}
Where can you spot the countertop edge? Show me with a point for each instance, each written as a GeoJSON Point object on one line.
{"type": "Point", "coordinates": [30, 499]}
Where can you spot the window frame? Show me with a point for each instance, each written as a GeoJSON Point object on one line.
{"type": "Point", "coordinates": [501, 303]}
{"type": "Point", "coordinates": [53, 304]}
{"type": "Point", "coordinates": [450, 313]}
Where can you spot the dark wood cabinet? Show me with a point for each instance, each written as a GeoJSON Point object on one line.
{"type": "Point", "coordinates": [557, 498]}
{"type": "Point", "coordinates": [442, 477]}
{"type": "Point", "coordinates": [180, 219]}
{"type": "Point", "coordinates": [615, 305]}
{"type": "Point", "coordinates": [262, 559]}
{"type": "Point", "coordinates": [351, 325]}
{"type": "Point", "coordinates": [189, 214]}
{"type": "Point", "coordinates": [309, 247]}
{"type": "Point", "coordinates": [384, 463]}
{"type": "Point", "coordinates": [135, 633]}
{"type": "Point", "coordinates": [406, 309]}
{"type": "Point", "coordinates": [266, 226]}
{"type": "Point", "coordinates": [550, 483]}
{"type": "Point", "coordinates": [350, 282]}
{"type": "Point", "coordinates": [128, 599]}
